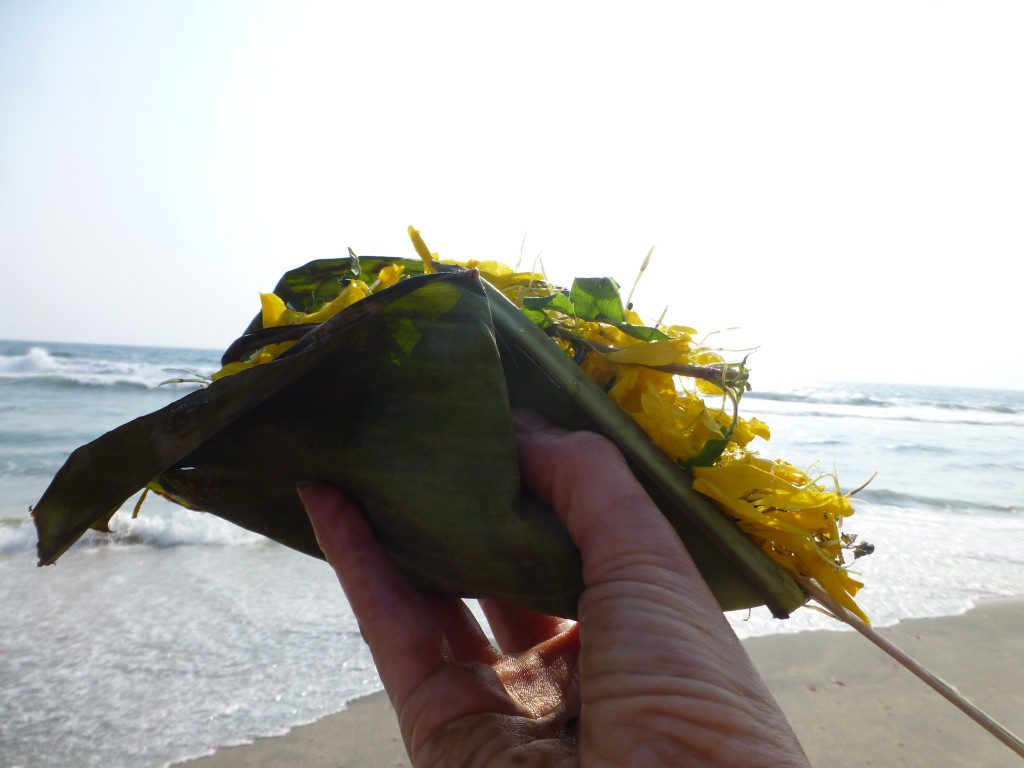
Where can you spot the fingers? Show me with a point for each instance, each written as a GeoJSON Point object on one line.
{"type": "Point", "coordinates": [608, 514]}
{"type": "Point", "coordinates": [518, 629]}
{"type": "Point", "coordinates": [636, 571]}
{"type": "Point", "coordinates": [467, 639]}
{"type": "Point", "coordinates": [409, 634]}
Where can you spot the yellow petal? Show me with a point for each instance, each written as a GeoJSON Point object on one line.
{"type": "Point", "coordinates": [389, 275]}
{"type": "Point", "coordinates": [421, 249]}
{"type": "Point", "coordinates": [350, 294]}
{"type": "Point", "coordinates": [273, 308]}
{"type": "Point", "coordinates": [655, 353]}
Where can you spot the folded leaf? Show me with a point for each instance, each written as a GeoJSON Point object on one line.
{"type": "Point", "coordinates": [404, 401]}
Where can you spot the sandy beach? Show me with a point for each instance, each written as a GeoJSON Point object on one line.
{"type": "Point", "coordinates": [849, 703]}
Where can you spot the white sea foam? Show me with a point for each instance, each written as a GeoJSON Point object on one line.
{"type": "Point", "coordinates": [161, 524]}
{"type": "Point", "coordinates": [35, 361]}
{"type": "Point", "coordinates": [17, 536]}
{"type": "Point", "coordinates": [39, 362]}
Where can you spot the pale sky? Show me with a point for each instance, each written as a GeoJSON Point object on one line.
{"type": "Point", "coordinates": [843, 182]}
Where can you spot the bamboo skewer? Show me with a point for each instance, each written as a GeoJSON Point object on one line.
{"type": "Point", "coordinates": [947, 691]}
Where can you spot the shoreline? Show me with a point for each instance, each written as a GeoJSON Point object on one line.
{"type": "Point", "coordinates": [850, 704]}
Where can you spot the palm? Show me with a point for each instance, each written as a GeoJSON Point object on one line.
{"type": "Point", "coordinates": [488, 707]}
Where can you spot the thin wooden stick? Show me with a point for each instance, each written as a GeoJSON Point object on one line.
{"type": "Point", "coordinates": [934, 681]}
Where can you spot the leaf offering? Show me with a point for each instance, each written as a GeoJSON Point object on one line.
{"type": "Point", "coordinates": [395, 379]}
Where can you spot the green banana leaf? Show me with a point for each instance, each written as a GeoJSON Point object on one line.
{"type": "Point", "coordinates": [404, 401]}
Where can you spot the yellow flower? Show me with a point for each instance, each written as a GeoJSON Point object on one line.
{"type": "Point", "coordinates": [681, 426]}
{"type": "Point", "coordinates": [793, 518]}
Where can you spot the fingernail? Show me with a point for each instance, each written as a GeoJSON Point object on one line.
{"type": "Point", "coordinates": [529, 421]}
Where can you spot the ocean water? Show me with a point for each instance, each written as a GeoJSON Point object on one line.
{"type": "Point", "coordinates": [179, 633]}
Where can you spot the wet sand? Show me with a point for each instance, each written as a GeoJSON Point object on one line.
{"type": "Point", "coordinates": [849, 703]}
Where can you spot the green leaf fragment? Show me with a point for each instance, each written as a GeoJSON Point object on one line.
{"type": "Point", "coordinates": [709, 455]}
{"type": "Point", "coordinates": [558, 302]}
{"type": "Point", "coordinates": [597, 298]}
{"type": "Point", "coordinates": [642, 332]}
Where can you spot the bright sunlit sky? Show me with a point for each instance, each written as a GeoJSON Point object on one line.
{"type": "Point", "coordinates": [843, 182]}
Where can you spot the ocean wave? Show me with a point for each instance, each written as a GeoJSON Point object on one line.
{"type": "Point", "coordinates": [892, 498]}
{"type": "Point", "coordinates": [21, 468]}
{"type": "Point", "coordinates": [929, 448]}
{"type": "Point", "coordinates": [843, 405]}
{"type": "Point", "coordinates": [157, 528]}
{"type": "Point", "coordinates": [979, 419]}
{"type": "Point", "coordinates": [17, 536]}
{"type": "Point", "coordinates": [1001, 409]}
{"type": "Point", "coordinates": [823, 396]}
{"type": "Point", "coordinates": [176, 526]}
{"type": "Point", "coordinates": [38, 366]}
{"type": "Point", "coordinates": [907, 397]}
{"type": "Point", "coordinates": [57, 382]}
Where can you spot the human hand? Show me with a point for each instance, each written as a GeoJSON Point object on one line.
{"type": "Point", "coordinates": [651, 674]}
